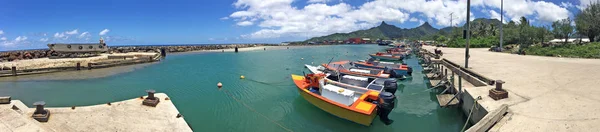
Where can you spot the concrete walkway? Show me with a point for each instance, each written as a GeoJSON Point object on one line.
{"type": "Point", "coordinates": [129, 115]}
{"type": "Point", "coordinates": [545, 93]}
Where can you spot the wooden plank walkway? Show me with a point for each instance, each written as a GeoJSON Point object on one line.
{"type": "Point", "coordinates": [444, 98]}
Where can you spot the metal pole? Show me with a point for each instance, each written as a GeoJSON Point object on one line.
{"type": "Point", "coordinates": [451, 19]}
{"type": "Point", "coordinates": [468, 33]}
{"type": "Point", "coordinates": [501, 23]}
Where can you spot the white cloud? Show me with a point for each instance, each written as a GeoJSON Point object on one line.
{"type": "Point", "coordinates": [534, 10]}
{"type": "Point", "coordinates": [59, 35]}
{"type": "Point", "coordinates": [245, 23]}
{"type": "Point", "coordinates": [585, 3]}
{"type": "Point", "coordinates": [84, 34]}
{"type": "Point", "coordinates": [318, 1]}
{"type": "Point", "coordinates": [413, 19]}
{"type": "Point", "coordinates": [566, 4]}
{"type": "Point", "coordinates": [495, 15]}
{"type": "Point", "coordinates": [43, 39]}
{"type": "Point", "coordinates": [104, 32]}
{"type": "Point", "coordinates": [1, 32]}
{"type": "Point", "coordinates": [71, 32]}
{"type": "Point", "coordinates": [20, 38]}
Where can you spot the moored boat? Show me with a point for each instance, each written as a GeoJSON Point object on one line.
{"type": "Point", "coordinates": [396, 70]}
{"type": "Point", "coordinates": [358, 100]}
{"type": "Point", "coordinates": [345, 67]}
{"type": "Point", "coordinates": [384, 56]}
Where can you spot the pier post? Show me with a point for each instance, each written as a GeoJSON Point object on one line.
{"type": "Point", "coordinates": [236, 49]}
{"type": "Point", "coordinates": [40, 114]}
{"type": "Point", "coordinates": [89, 66]}
{"type": "Point", "coordinates": [151, 100]}
{"type": "Point", "coordinates": [78, 66]}
{"type": "Point", "coordinates": [14, 70]}
{"type": "Point", "coordinates": [163, 53]}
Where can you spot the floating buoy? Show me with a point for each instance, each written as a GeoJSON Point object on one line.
{"type": "Point", "coordinates": [219, 85]}
{"type": "Point", "coordinates": [242, 77]}
{"type": "Point", "coordinates": [301, 58]}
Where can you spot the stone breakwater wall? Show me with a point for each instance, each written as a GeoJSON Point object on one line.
{"type": "Point", "coordinates": [7, 56]}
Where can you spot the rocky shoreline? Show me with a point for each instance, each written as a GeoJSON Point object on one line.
{"type": "Point", "coordinates": [8, 56]}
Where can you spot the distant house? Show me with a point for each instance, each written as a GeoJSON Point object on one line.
{"type": "Point", "coordinates": [79, 47]}
{"type": "Point", "coordinates": [285, 43]}
{"type": "Point", "coordinates": [355, 40]}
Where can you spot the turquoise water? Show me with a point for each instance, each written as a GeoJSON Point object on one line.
{"type": "Point", "coordinates": [190, 80]}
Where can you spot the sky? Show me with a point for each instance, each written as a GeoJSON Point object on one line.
{"type": "Point", "coordinates": [32, 24]}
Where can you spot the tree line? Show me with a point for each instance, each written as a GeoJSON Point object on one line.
{"type": "Point", "coordinates": [486, 33]}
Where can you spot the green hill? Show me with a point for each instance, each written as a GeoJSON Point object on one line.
{"type": "Point", "coordinates": [383, 31]}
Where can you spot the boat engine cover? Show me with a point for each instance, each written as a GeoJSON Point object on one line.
{"type": "Point", "coordinates": [390, 85]}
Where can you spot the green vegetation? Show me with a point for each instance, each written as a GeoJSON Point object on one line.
{"type": "Point", "coordinates": [518, 36]}
{"type": "Point", "coordinates": [591, 50]}
{"type": "Point", "coordinates": [383, 31]}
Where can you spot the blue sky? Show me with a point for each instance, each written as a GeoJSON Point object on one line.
{"type": "Point", "coordinates": [27, 24]}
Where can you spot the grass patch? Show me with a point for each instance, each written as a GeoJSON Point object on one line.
{"type": "Point", "coordinates": [590, 50]}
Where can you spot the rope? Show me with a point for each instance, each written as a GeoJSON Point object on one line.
{"type": "Point", "coordinates": [254, 110]}
{"type": "Point", "coordinates": [470, 113]}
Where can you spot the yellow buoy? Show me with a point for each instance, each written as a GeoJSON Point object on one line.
{"type": "Point", "coordinates": [341, 90]}
{"type": "Point", "coordinates": [242, 77]}
{"type": "Point", "coordinates": [219, 85]}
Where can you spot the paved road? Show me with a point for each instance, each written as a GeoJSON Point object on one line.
{"type": "Point", "coordinates": [546, 93]}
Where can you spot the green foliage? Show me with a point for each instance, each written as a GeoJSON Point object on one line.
{"type": "Point", "coordinates": [562, 28]}
{"type": "Point", "coordinates": [588, 21]}
{"type": "Point", "coordinates": [590, 50]}
{"type": "Point", "coordinates": [480, 42]}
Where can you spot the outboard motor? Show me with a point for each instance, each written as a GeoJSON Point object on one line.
{"type": "Point", "coordinates": [390, 85]}
{"type": "Point", "coordinates": [410, 70]}
{"type": "Point", "coordinates": [389, 70]}
{"type": "Point", "coordinates": [385, 107]}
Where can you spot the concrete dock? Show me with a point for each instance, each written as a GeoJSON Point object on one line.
{"type": "Point", "coordinates": [129, 115]}
{"type": "Point", "coordinates": [545, 93]}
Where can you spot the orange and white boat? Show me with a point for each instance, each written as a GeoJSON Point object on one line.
{"type": "Point", "coordinates": [359, 100]}
{"type": "Point", "coordinates": [345, 67]}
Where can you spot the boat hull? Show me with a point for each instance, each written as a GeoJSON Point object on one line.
{"type": "Point", "coordinates": [386, 58]}
{"type": "Point", "coordinates": [338, 111]}
{"type": "Point", "coordinates": [331, 108]}
{"type": "Point", "coordinates": [397, 72]}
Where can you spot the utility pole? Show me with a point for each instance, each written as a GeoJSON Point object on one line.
{"type": "Point", "coordinates": [502, 24]}
{"type": "Point", "coordinates": [451, 19]}
{"type": "Point", "coordinates": [468, 33]}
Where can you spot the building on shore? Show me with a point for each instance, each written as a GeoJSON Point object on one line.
{"type": "Point", "coordinates": [79, 47]}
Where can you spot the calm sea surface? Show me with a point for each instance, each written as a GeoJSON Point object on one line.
{"type": "Point", "coordinates": [190, 80]}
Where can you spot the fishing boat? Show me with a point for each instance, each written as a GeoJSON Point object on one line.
{"type": "Point", "coordinates": [385, 56]}
{"type": "Point", "coordinates": [345, 67]}
{"type": "Point", "coordinates": [396, 70]}
{"type": "Point", "coordinates": [357, 99]}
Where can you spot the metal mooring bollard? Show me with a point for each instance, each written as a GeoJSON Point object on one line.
{"type": "Point", "coordinates": [151, 100]}
{"type": "Point", "coordinates": [40, 114]}
{"type": "Point", "coordinates": [14, 70]}
{"type": "Point", "coordinates": [499, 85]}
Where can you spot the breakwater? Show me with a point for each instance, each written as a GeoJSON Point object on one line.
{"type": "Point", "coordinates": [8, 56]}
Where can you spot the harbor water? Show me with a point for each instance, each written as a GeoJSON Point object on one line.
{"type": "Point", "coordinates": [266, 100]}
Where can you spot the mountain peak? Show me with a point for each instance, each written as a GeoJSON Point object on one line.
{"type": "Point", "coordinates": [426, 24]}
{"type": "Point", "coordinates": [383, 23]}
